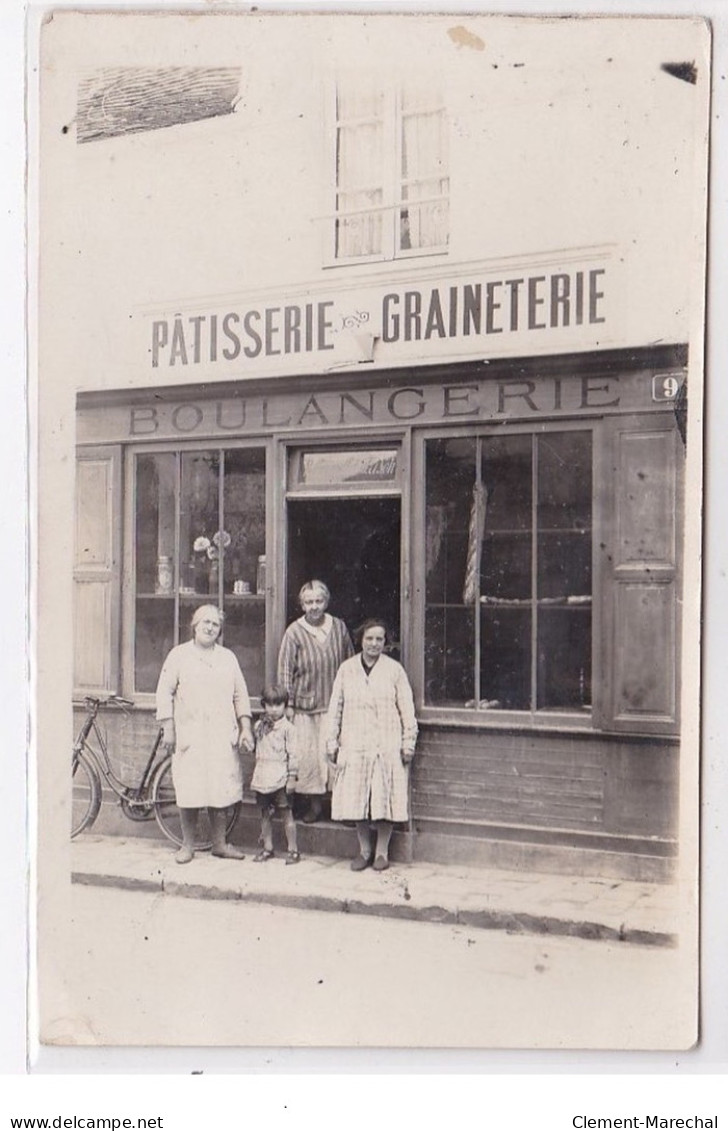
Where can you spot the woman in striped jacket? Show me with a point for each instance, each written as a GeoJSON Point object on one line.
{"type": "Point", "coordinates": [312, 650]}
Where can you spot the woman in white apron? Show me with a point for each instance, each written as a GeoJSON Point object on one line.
{"type": "Point", "coordinates": [204, 708]}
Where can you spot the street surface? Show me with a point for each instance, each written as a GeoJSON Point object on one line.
{"type": "Point", "coordinates": [155, 969]}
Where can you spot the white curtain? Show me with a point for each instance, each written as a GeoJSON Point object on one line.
{"type": "Point", "coordinates": [359, 173]}
{"type": "Point", "coordinates": [424, 175]}
{"type": "Point", "coordinates": [371, 193]}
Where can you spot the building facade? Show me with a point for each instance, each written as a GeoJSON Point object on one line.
{"type": "Point", "coordinates": [428, 339]}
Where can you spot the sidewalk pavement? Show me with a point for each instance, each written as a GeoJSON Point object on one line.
{"type": "Point", "coordinates": [518, 902]}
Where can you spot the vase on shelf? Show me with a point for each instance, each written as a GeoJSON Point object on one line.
{"type": "Point", "coordinates": [213, 582]}
{"type": "Point", "coordinates": [202, 575]}
{"type": "Point", "coordinates": [260, 576]}
{"type": "Point", "coordinates": [187, 577]}
{"type": "Point", "coordinates": [165, 576]}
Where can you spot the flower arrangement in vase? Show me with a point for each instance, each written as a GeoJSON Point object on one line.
{"type": "Point", "coordinates": [207, 560]}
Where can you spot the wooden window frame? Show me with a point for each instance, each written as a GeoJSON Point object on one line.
{"type": "Point", "coordinates": [392, 186]}
{"type": "Point", "coordinates": [603, 718]}
{"type": "Point", "coordinates": [145, 699]}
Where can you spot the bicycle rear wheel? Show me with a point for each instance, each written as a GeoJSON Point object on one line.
{"type": "Point", "coordinates": [167, 813]}
{"type": "Point", "coordinates": [85, 793]}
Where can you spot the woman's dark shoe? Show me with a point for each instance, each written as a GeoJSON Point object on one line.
{"type": "Point", "coordinates": [381, 864]}
{"type": "Point", "coordinates": [360, 863]}
{"type": "Point", "coordinates": [293, 857]}
{"type": "Point", "coordinates": [229, 852]}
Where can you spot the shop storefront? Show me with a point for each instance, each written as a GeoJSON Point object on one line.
{"type": "Point", "coordinates": [422, 331]}
{"type": "Point", "coordinates": [517, 522]}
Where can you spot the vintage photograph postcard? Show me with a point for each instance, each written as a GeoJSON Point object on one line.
{"type": "Point", "coordinates": [368, 456]}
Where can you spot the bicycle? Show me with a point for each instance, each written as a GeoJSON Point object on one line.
{"type": "Point", "coordinates": [152, 797]}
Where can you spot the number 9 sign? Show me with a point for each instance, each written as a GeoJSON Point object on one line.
{"type": "Point", "coordinates": [665, 386]}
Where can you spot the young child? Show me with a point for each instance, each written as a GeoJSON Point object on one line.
{"type": "Point", "coordinates": [276, 771]}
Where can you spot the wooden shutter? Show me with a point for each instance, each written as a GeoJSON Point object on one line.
{"type": "Point", "coordinates": [97, 570]}
{"type": "Point", "coordinates": [639, 479]}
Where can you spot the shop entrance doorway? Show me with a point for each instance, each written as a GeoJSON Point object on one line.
{"type": "Point", "coordinates": [353, 545]}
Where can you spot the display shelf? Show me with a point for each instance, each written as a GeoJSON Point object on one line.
{"type": "Point", "coordinates": [232, 597]}
{"type": "Point", "coordinates": [516, 603]}
{"type": "Point", "coordinates": [522, 530]}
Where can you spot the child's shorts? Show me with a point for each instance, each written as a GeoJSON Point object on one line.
{"type": "Point", "coordinates": [278, 799]}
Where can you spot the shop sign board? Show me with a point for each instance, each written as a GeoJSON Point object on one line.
{"type": "Point", "coordinates": [418, 402]}
{"type": "Point", "coordinates": [540, 305]}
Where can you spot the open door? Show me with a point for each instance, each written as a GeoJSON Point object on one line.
{"type": "Point", "coordinates": [353, 545]}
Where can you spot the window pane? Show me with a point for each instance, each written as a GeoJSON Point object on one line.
{"type": "Point", "coordinates": [330, 469]}
{"type": "Point", "coordinates": [359, 158]}
{"type": "Point", "coordinates": [449, 629]}
{"type": "Point", "coordinates": [424, 222]}
{"type": "Point", "coordinates": [506, 559]}
{"type": "Point", "coordinates": [425, 185]}
{"type": "Point", "coordinates": [200, 528]}
{"type": "Point", "coordinates": [358, 229]}
{"type": "Point", "coordinates": [154, 638]}
{"type": "Point", "coordinates": [565, 481]}
{"type": "Point", "coordinates": [245, 635]}
{"type": "Point", "coordinates": [564, 658]}
{"type": "Point", "coordinates": [359, 188]}
{"type": "Point", "coordinates": [450, 478]}
{"type": "Point", "coordinates": [244, 509]}
{"type": "Point", "coordinates": [564, 565]}
{"type": "Point", "coordinates": [505, 658]}
{"type": "Point", "coordinates": [449, 650]}
{"type": "Point", "coordinates": [424, 147]}
{"type": "Point", "coordinates": [154, 538]}
{"type": "Point", "coordinates": [564, 519]}
{"type": "Point", "coordinates": [564, 515]}
{"type": "Point", "coordinates": [506, 572]}
{"type": "Point", "coordinates": [244, 561]}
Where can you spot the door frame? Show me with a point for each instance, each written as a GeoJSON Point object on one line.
{"type": "Point", "coordinates": [279, 488]}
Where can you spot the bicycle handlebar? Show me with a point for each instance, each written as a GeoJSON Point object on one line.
{"type": "Point", "coordinates": [110, 701]}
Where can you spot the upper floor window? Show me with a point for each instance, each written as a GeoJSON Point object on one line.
{"type": "Point", "coordinates": [391, 174]}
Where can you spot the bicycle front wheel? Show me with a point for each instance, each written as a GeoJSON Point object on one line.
{"type": "Point", "coordinates": [167, 813]}
{"type": "Point", "coordinates": [85, 793]}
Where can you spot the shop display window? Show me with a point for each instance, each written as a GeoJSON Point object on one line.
{"type": "Point", "coordinates": [199, 536]}
{"type": "Point", "coordinates": [508, 547]}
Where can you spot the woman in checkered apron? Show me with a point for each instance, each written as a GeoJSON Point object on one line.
{"type": "Point", "coordinates": [371, 732]}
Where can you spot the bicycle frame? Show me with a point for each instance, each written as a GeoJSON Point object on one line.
{"type": "Point", "coordinates": [98, 755]}
{"type": "Point", "coordinates": [152, 796]}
